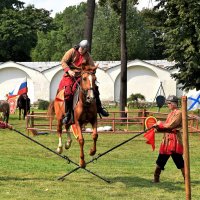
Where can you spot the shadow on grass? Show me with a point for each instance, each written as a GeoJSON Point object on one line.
{"type": "Point", "coordinates": [141, 182]}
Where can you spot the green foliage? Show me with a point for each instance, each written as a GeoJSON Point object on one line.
{"type": "Point", "coordinates": [136, 97]}
{"type": "Point", "coordinates": [18, 31]}
{"type": "Point", "coordinates": [106, 35]}
{"type": "Point", "coordinates": [43, 105]}
{"type": "Point", "coordinates": [68, 31]}
{"type": "Point", "coordinates": [153, 25]}
{"type": "Point", "coordinates": [181, 37]}
{"type": "Point", "coordinates": [11, 4]}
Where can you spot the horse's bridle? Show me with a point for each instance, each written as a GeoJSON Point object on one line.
{"type": "Point", "coordinates": [85, 92]}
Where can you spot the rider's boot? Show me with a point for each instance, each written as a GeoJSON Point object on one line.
{"type": "Point", "coordinates": [68, 109]}
{"type": "Point", "coordinates": [100, 109]}
{"type": "Point", "coordinates": [157, 174]}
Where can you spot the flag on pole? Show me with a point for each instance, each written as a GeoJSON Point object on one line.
{"type": "Point", "coordinates": [20, 88]}
{"type": "Point", "coordinates": [193, 101]}
{"type": "Point", "coordinates": [150, 137]}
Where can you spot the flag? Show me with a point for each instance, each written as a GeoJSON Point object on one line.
{"type": "Point", "coordinates": [150, 136]}
{"type": "Point", "coordinates": [193, 101]}
{"type": "Point", "coordinates": [20, 88]}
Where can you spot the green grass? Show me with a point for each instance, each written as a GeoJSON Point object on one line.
{"type": "Point", "coordinates": [28, 171]}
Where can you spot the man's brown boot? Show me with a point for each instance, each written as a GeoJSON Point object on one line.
{"type": "Point", "coordinates": [157, 175]}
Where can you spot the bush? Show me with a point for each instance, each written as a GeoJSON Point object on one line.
{"type": "Point", "coordinates": [43, 105]}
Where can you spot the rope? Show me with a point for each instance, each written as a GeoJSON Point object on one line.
{"type": "Point", "coordinates": [102, 154]}
{"type": "Point", "coordinates": [64, 157]}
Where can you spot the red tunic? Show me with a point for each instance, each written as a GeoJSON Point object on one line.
{"type": "Point", "coordinates": [76, 61]}
{"type": "Point", "coordinates": [172, 138]}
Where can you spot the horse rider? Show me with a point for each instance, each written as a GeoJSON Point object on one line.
{"type": "Point", "coordinates": [171, 145]}
{"type": "Point", "coordinates": [72, 62]}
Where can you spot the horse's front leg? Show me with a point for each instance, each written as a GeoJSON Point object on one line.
{"type": "Point", "coordinates": [59, 131]}
{"type": "Point", "coordinates": [24, 116]}
{"type": "Point", "coordinates": [94, 137]}
{"type": "Point", "coordinates": [81, 143]}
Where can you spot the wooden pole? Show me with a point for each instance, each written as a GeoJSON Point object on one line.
{"type": "Point", "coordinates": [186, 148]}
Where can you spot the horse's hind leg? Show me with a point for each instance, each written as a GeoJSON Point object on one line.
{"type": "Point", "coordinates": [69, 139]}
{"type": "Point", "coordinates": [7, 117]}
{"type": "Point", "coordinates": [95, 137]}
{"type": "Point", "coordinates": [20, 113]}
{"type": "Point", "coordinates": [59, 131]}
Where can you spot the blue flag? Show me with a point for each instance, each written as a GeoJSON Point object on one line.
{"type": "Point", "coordinates": [193, 101]}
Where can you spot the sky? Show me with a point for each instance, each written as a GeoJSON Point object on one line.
{"type": "Point", "coordinates": [59, 5]}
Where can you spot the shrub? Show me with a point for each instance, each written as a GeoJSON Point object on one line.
{"type": "Point", "coordinates": [43, 105]}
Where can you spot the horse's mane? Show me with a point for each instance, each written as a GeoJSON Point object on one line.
{"type": "Point", "coordinates": [89, 68]}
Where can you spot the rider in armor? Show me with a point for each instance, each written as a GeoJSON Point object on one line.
{"type": "Point", "coordinates": [71, 63]}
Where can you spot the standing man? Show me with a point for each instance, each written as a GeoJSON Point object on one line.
{"type": "Point", "coordinates": [72, 62]}
{"type": "Point", "coordinates": [171, 145]}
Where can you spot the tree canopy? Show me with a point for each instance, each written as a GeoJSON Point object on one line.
{"type": "Point", "coordinates": [182, 40]}
{"type": "Point", "coordinates": [18, 29]}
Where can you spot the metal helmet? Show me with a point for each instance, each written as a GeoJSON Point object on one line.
{"type": "Point", "coordinates": [172, 98]}
{"type": "Point", "coordinates": [84, 44]}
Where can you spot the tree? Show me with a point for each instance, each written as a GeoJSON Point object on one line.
{"type": "Point", "coordinates": [89, 21]}
{"type": "Point", "coordinates": [68, 31]}
{"type": "Point", "coordinates": [123, 81]}
{"type": "Point", "coordinates": [153, 24]}
{"type": "Point", "coordinates": [18, 31]}
{"type": "Point", "coordinates": [11, 4]}
{"type": "Point", "coordinates": [120, 7]}
{"type": "Point", "coordinates": [182, 41]}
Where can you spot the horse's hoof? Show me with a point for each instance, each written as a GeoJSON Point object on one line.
{"type": "Point", "coordinates": [82, 164]}
{"type": "Point", "coordinates": [68, 144]}
{"type": "Point", "coordinates": [59, 150]}
{"type": "Point", "coordinates": [92, 152]}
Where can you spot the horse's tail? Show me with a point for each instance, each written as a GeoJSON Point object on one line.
{"type": "Point", "coordinates": [51, 109]}
{"type": "Point", "coordinates": [7, 112]}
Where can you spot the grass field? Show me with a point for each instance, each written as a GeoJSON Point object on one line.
{"type": "Point", "coordinates": [27, 171]}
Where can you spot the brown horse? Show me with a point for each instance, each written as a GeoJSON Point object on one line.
{"type": "Point", "coordinates": [85, 111]}
{"type": "Point", "coordinates": [5, 109]}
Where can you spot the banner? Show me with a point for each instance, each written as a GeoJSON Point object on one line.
{"type": "Point", "coordinates": [13, 104]}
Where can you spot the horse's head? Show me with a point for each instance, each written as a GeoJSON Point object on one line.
{"type": "Point", "coordinates": [88, 79]}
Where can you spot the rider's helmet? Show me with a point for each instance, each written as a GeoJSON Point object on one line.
{"type": "Point", "coordinates": [84, 44]}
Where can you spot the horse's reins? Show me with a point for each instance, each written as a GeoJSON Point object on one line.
{"type": "Point", "coordinates": [77, 82]}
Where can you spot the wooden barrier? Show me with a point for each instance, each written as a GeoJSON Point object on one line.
{"type": "Point", "coordinates": [133, 123]}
